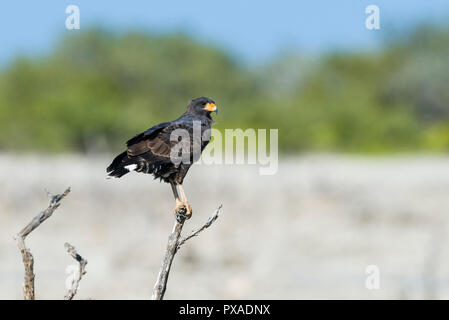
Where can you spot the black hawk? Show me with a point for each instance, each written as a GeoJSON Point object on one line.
{"type": "Point", "coordinates": [168, 149]}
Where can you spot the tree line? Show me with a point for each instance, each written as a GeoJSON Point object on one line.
{"type": "Point", "coordinates": [97, 88]}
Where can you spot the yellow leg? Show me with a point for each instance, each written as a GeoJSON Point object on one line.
{"type": "Point", "coordinates": [184, 201]}
{"type": "Point", "coordinates": [175, 194]}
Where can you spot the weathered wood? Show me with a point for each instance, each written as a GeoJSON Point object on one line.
{"type": "Point", "coordinates": [174, 243]}
{"type": "Point", "coordinates": [81, 271]}
{"type": "Point", "coordinates": [27, 257]}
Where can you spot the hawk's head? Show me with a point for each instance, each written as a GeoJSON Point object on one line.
{"type": "Point", "coordinates": [202, 106]}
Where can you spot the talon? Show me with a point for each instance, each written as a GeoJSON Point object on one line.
{"type": "Point", "coordinates": [182, 211]}
{"type": "Point", "coordinates": [181, 216]}
{"type": "Point", "coordinates": [188, 210]}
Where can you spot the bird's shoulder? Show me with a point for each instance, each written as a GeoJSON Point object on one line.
{"type": "Point", "coordinates": [147, 134]}
{"type": "Point", "coordinates": [155, 139]}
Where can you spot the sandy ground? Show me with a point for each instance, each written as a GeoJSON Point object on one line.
{"type": "Point", "coordinates": [307, 232]}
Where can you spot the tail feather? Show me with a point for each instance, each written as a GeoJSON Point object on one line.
{"type": "Point", "coordinates": [120, 166]}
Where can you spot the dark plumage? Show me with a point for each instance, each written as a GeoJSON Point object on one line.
{"type": "Point", "coordinates": [151, 151]}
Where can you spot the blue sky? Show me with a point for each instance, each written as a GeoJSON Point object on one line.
{"type": "Point", "coordinates": [253, 30]}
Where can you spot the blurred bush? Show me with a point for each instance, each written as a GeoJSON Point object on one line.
{"type": "Point", "coordinates": [96, 88]}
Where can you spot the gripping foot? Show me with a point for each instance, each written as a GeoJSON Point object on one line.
{"type": "Point", "coordinates": [182, 211]}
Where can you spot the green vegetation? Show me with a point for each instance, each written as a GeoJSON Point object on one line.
{"type": "Point", "coordinates": [96, 89]}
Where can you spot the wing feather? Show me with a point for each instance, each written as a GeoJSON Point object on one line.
{"type": "Point", "coordinates": [148, 133]}
{"type": "Point", "coordinates": [155, 140]}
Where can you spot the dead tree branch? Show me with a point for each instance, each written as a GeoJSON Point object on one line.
{"type": "Point", "coordinates": [174, 243]}
{"type": "Point", "coordinates": [27, 257]}
{"type": "Point", "coordinates": [194, 233]}
{"type": "Point", "coordinates": [81, 271]}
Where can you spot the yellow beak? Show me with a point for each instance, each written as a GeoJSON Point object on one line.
{"type": "Point", "coordinates": [210, 107]}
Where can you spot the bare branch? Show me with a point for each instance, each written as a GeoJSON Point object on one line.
{"type": "Point", "coordinates": [208, 223]}
{"type": "Point", "coordinates": [28, 262]}
{"type": "Point", "coordinates": [27, 257]}
{"type": "Point", "coordinates": [173, 245]}
{"type": "Point", "coordinates": [82, 271]}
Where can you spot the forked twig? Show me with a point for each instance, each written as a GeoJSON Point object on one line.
{"type": "Point", "coordinates": [194, 233]}
{"type": "Point", "coordinates": [81, 271]}
{"type": "Point", "coordinates": [27, 257]}
{"type": "Point", "coordinates": [174, 243]}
